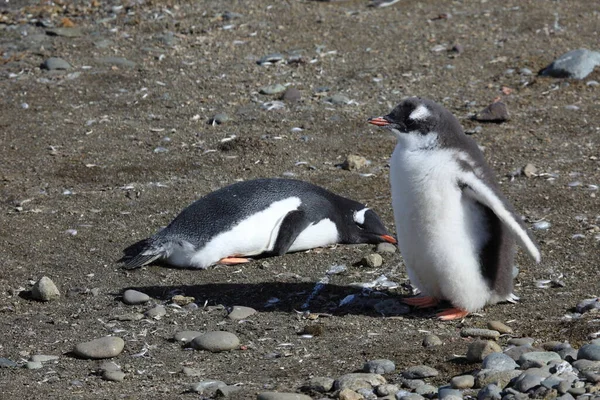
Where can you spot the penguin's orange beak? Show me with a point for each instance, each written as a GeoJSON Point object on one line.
{"type": "Point", "coordinates": [379, 121]}
{"type": "Point", "coordinates": [389, 239]}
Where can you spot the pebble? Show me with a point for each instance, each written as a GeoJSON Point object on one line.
{"type": "Point", "coordinates": [500, 327]}
{"type": "Point", "coordinates": [216, 341]}
{"type": "Point", "coordinates": [495, 112]}
{"type": "Point", "coordinates": [525, 341]}
{"type": "Point", "coordinates": [482, 333]}
{"type": "Point", "coordinates": [113, 376]}
{"type": "Point", "coordinates": [182, 300]}
{"type": "Point", "coordinates": [129, 317]}
{"type": "Point", "coordinates": [412, 383]}
{"type": "Point", "coordinates": [447, 393]}
{"type": "Point", "coordinates": [108, 366]}
{"type": "Point", "coordinates": [55, 63]}
{"type": "Point", "coordinates": [187, 371]}
{"type": "Point", "coordinates": [358, 381]}
{"type": "Point", "coordinates": [43, 358]}
{"type": "Point", "coordinates": [133, 297]}
{"type": "Point", "coordinates": [219, 119]}
{"type": "Point", "coordinates": [272, 89]}
{"type": "Point", "coordinates": [270, 59]}
{"type": "Point", "coordinates": [386, 248]}
{"type": "Point", "coordinates": [281, 396]}
{"type": "Point", "coordinates": [117, 61]}
{"type": "Point", "coordinates": [347, 394]}
{"type": "Point", "coordinates": [516, 352]}
{"type": "Point", "coordinates": [462, 382]}
{"type": "Point", "coordinates": [241, 312]}
{"type": "Point", "coordinates": [588, 305]}
{"type": "Point", "coordinates": [426, 390]}
{"type": "Point", "coordinates": [45, 290]}
{"type": "Point", "coordinates": [373, 260]}
{"type": "Point", "coordinates": [6, 363]}
{"type": "Point", "coordinates": [33, 365]}
{"type": "Point", "coordinates": [227, 391]}
{"type": "Point", "coordinates": [525, 71]}
{"type": "Point", "coordinates": [105, 347]}
{"type": "Point", "coordinates": [186, 337]}
{"type": "Point", "coordinates": [386, 390]}
{"type": "Point", "coordinates": [541, 225]}
{"type": "Point", "coordinates": [319, 384]}
{"type": "Point", "coordinates": [337, 99]}
{"type": "Point", "coordinates": [431, 340]}
{"type": "Point", "coordinates": [65, 32]}
{"type": "Point", "coordinates": [489, 392]}
{"type": "Point", "coordinates": [419, 372]}
{"type": "Point", "coordinates": [479, 349]}
{"type": "Point", "coordinates": [537, 359]}
{"type": "Point", "coordinates": [530, 170]}
{"type": "Point", "coordinates": [156, 312]}
{"type": "Point", "coordinates": [499, 362]}
{"type": "Point", "coordinates": [354, 162]}
{"type": "Point", "coordinates": [410, 396]}
{"type": "Point", "coordinates": [589, 352]}
{"type": "Point", "coordinates": [575, 64]}
{"type": "Point", "coordinates": [501, 378]}
{"type": "Point", "coordinates": [380, 366]}
{"type": "Point", "coordinates": [291, 95]}
{"type": "Point", "coordinates": [207, 388]}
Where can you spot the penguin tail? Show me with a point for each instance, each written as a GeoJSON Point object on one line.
{"type": "Point", "coordinates": [142, 253]}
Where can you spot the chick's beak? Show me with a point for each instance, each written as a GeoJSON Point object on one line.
{"type": "Point", "coordinates": [389, 239]}
{"type": "Point", "coordinates": [379, 121]}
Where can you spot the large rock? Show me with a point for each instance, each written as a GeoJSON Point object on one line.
{"type": "Point", "coordinates": [105, 347]}
{"type": "Point", "coordinates": [575, 64]}
{"type": "Point", "coordinates": [216, 341]}
{"type": "Point", "coordinates": [45, 290]}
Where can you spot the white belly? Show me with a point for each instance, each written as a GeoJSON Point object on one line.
{"type": "Point", "coordinates": [440, 232]}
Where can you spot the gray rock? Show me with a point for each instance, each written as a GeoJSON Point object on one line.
{"type": "Point", "coordinates": [551, 382]}
{"type": "Point", "coordinates": [589, 352]}
{"type": "Point", "coordinates": [489, 392]}
{"type": "Point", "coordinates": [431, 340]}
{"type": "Point", "coordinates": [133, 297]}
{"type": "Point", "coordinates": [586, 365]}
{"type": "Point", "coordinates": [462, 382]}
{"type": "Point", "coordinates": [577, 391]}
{"type": "Point", "coordinates": [33, 365]}
{"type": "Point", "coordinates": [185, 337]}
{"type": "Point", "coordinates": [216, 341]}
{"type": "Point", "coordinates": [43, 358]}
{"type": "Point", "coordinates": [156, 312]}
{"type": "Point", "coordinates": [270, 59]}
{"type": "Point", "coordinates": [529, 379]}
{"type": "Point", "coordinates": [272, 89]}
{"type": "Point", "coordinates": [525, 71]}
{"type": "Point", "coordinates": [380, 366]}
{"type": "Point", "coordinates": [65, 32]}
{"type": "Point", "coordinates": [401, 394]}
{"type": "Point", "coordinates": [537, 359]}
{"type": "Point", "coordinates": [207, 388]}
{"type": "Point", "coordinates": [358, 381]}
{"type": "Point", "coordinates": [425, 390]}
{"type": "Point", "coordinates": [187, 371]}
{"type": "Point", "coordinates": [448, 393]}
{"type": "Point", "coordinates": [500, 378]}
{"type": "Point", "coordinates": [499, 362]}
{"type": "Point", "coordinates": [241, 312]}
{"type": "Point", "coordinates": [105, 347]}
{"type": "Point", "coordinates": [108, 366]}
{"type": "Point", "coordinates": [412, 383]}
{"type": "Point", "coordinates": [113, 376]}
{"type": "Point", "coordinates": [591, 376]}
{"type": "Point", "coordinates": [319, 384]}
{"type": "Point", "coordinates": [219, 119]}
{"type": "Point", "coordinates": [516, 352]}
{"type": "Point", "coordinates": [500, 327]}
{"type": "Point", "coordinates": [55, 63]}
{"type": "Point", "coordinates": [495, 112]}
{"type": "Point", "coordinates": [227, 391]}
{"type": "Point", "coordinates": [420, 372]}
{"type": "Point", "coordinates": [45, 290]}
{"type": "Point", "coordinates": [366, 394]}
{"type": "Point", "coordinates": [566, 396]}
{"type": "Point", "coordinates": [103, 43]}
{"type": "Point", "coordinates": [575, 64]}
{"type": "Point", "coordinates": [291, 95]}
{"type": "Point", "coordinates": [337, 99]}
{"type": "Point", "coordinates": [386, 390]}
{"type": "Point", "coordinates": [386, 248]}
{"type": "Point", "coordinates": [410, 396]}
{"type": "Point", "coordinates": [479, 349]}
{"type": "Point", "coordinates": [6, 363]}
{"type": "Point", "coordinates": [129, 317]}
{"type": "Point", "coordinates": [525, 341]}
{"type": "Point", "coordinates": [373, 260]}
{"type": "Point", "coordinates": [281, 396]}
{"type": "Point", "coordinates": [117, 61]}
{"type": "Point", "coordinates": [569, 354]}
{"type": "Point", "coordinates": [354, 162]}
{"type": "Point", "coordinates": [482, 333]}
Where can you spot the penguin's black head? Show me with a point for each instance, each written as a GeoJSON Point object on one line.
{"type": "Point", "coordinates": [413, 115]}
{"type": "Point", "coordinates": [369, 228]}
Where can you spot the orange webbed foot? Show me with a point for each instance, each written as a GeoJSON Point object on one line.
{"type": "Point", "coordinates": [233, 260]}
{"type": "Point", "coordinates": [452, 313]}
{"type": "Point", "coordinates": [421, 301]}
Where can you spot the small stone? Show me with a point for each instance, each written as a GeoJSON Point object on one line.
{"type": "Point", "coordinates": [319, 384]}
{"type": "Point", "coordinates": [409, 396]}
{"type": "Point", "coordinates": [337, 99]}
{"type": "Point", "coordinates": [108, 366]}
{"type": "Point", "coordinates": [500, 327]}
{"type": "Point", "coordinates": [412, 383]}
{"type": "Point", "coordinates": [187, 371]}
{"type": "Point", "coordinates": [182, 300]}
{"type": "Point", "coordinates": [219, 119]}
{"type": "Point", "coordinates": [386, 390]}
{"type": "Point", "coordinates": [65, 32]}
{"type": "Point", "coordinates": [281, 396]}
{"type": "Point", "coordinates": [479, 349]}
{"type": "Point", "coordinates": [489, 392]}
{"type": "Point", "coordinates": [117, 62]}
{"type": "Point", "coordinates": [589, 352]}
{"type": "Point", "coordinates": [526, 341]}
{"type": "Point", "coordinates": [216, 341]}
{"type": "Point", "coordinates": [207, 388]}
{"type": "Point", "coordinates": [482, 333]}
{"type": "Point", "coordinates": [575, 64]}
{"type": "Point", "coordinates": [431, 340]}
{"type": "Point", "coordinates": [55, 63]}
{"type": "Point", "coordinates": [270, 59]}
{"type": "Point", "coordinates": [499, 362]}
{"type": "Point", "coordinates": [386, 247]}
{"type": "Point", "coordinates": [541, 226]}
{"type": "Point", "coordinates": [588, 305]}
{"type": "Point", "coordinates": [45, 290]}
{"type": "Point", "coordinates": [373, 260]}
{"type": "Point", "coordinates": [525, 71]}
{"type": "Point", "coordinates": [133, 297]}
{"type": "Point", "coordinates": [358, 381]}
{"type": "Point", "coordinates": [156, 312]}
{"type": "Point", "coordinates": [43, 358]}
{"type": "Point", "coordinates": [185, 337]}
{"type": "Point", "coordinates": [530, 170]}
{"type": "Point", "coordinates": [529, 379]}
{"type": "Point", "coordinates": [462, 382]}
{"type": "Point", "coordinates": [291, 95]}
{"type": "Point", "coordinates": [272, 89]}
{"type": "Point", "coordinates": [516, 352]}
{"type": "Point", "coordinates": [426, 390]}
{"type": "Point", "coordinates": [105, 347]}
{"type": "Point", "coordinates": [347, 394]}
{"type": "Point", "coordinates": [380, 366]}
{"type": "Point", "coordinates": [113, 376]}
{"type": "Point", "coordinates": [448, 393]}
{"type": "Point", "coordinates": [33, 365]}
{"type": "Point", "coordinates": [241, 312]}
{"type": "Point", "coordinates": [419, 372]}
{"type": "Point", "coordinates": [536, 359]}
{"type": "Point", "coordinates": [354, 162]}
{"type": "Point", "coordinates": [501, 378]}
{"type": "Point", "coordinates": [129, 317]}
{"type": "Point", "coordinates": [495, 112]}
{"type": "Point", "coordinates": [227, 391]}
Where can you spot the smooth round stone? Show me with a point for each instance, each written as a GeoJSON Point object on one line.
{"type": "Point", "coordinates": [45, 290]}
{"type": "Point", "coordinates": [412, 383]}
{"type": "Point", "coordinates": [291, 95]}
{"type": "Point", "coordinates": [186, 337]}
{"type": "Point", "coordinates": [386, 247]}
{"type": "Point", "coordinates": [500, 327]}
{"type": "Point", "coordinates": [373, 260]}
{"type": "Point", "coordinates": [386, 390]}
{"type": "Point", "coordinates": [482, 333]}
{"type": "Point", "coordinates": [113, 376]}
{"type": "Point", "coordinates": [516, 352]}
{"type": "Point", "coordinates": [207, 388]}
{"type": "Point", "coordinates": [43, 358]}
{"type": "Point", "coordinates": [530, 379]}
{"type": "Point", "coordinates": [525, 71]}
{"type": "Point", "coordinates": [462, 382]}
{"type": "Point", "coordinates": [447, 393]}
{"type": "Point", "coordinates": [105, 347]}
{"type": "Point", "coordinates": [432, 340]}
{"type": "Point", "coordinates": [216, 341]}
{"type": "Point", "coordinates": [568, 354]}
{"type": "Point", "coordinates": [133, 297]}
{"type": "Point", "coordinates": [272, 89]}
{"type": "Point", "coordinates": [358, 381]}
{"type": "Point", "coordinates": [479, 349]}
{"type": "Point", "coordinates": [380, 366]}
{"type": "Point", "coordinates": [33, 365]}
{"type": "Point", "coordinates": [500, 378]}
{"type": "Point", "coordinates": [420, 372]}
{"type": "Point", "coordinates": [319, 384]}
{"type": "Point", "coordinates": [589, 352]}
{"type": "Point", "coordinates": [499, 362]}
{"type": "Point", "coordinates": [219, 119]}
{"type": "Point", "coordinates": [281, 396]}
{"type": "Point", "coordinates": [536, 359]}
{"type": "Point", "coordinates": [241, 312]}
{"type": "Point", "coordinates": [426, 389]}
{"type": "Point", "coordinates": [156, 312]}
{"type": "Point", "coordinates": [55, 63]}
{"type": "Point", "coordinates": [489, 392]}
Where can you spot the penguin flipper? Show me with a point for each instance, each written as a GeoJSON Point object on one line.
{"type": "Point", "coordinates": [139, 254]}
{"type": "Point", "coordinates": [291, 226]}
{"type": "Point", "coordinates": [477, 189]}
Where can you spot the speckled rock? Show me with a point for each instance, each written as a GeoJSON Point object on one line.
{"type": "Point", "coordinates": [479, 349]}
{"type": "Point", "coordinates": [372, 260]}
{"type": "Point", "coordinates": [354, 162]}
{"type": "Point", "coordinates": [500, 327]}
{"type": "Point", "coordinates": [216, 341]}
{"type": "Point", "coordinates": [462, 382]}
{"type": "Point", "coordinates": [420, 372]}
{"type": "Point", "coordinates": [319, 384]}
{"type": "Point", "coordinates": [358, 381]}
{"type": "Point", "coordinates": [347, 394]}
{"type": "Point", "coordinates": [426, 390]}
{"type": "Point", "coordinates": [45, 290]}
{"type": "Point", "coordinates": [431, 340]}
{"type": "Point", "coordinates": [241, 312]}
{"type": "Point", "coordinates": [500, 378]}
{"type": "Point", "coordinates": [105, 347]}
{"type": "Point", "coordinates": [498, 362]}
{"type": "Point", "coordinates": [380, 366]}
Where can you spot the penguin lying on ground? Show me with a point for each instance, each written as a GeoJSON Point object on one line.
{"type": "Point", "coordinates": [258, 217]}
{"type": "Point", "coordinates": [455, 229]}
